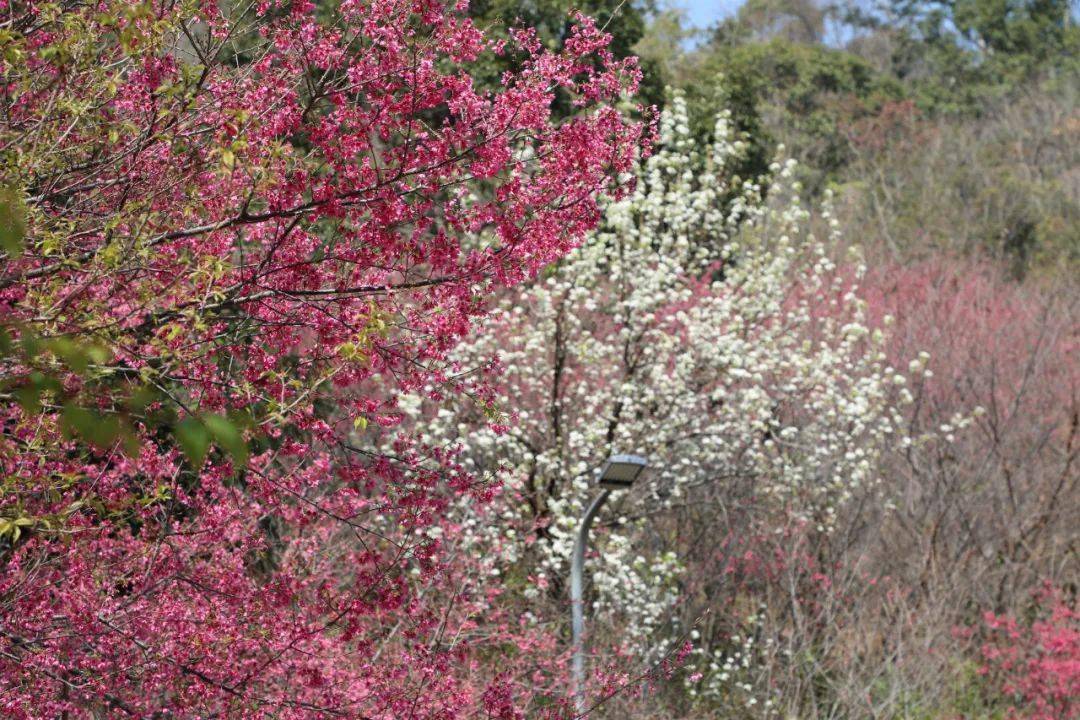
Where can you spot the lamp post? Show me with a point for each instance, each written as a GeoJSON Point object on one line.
{"type": "Point", "coordinates": [618, 473]}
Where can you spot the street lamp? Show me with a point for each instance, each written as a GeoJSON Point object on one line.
{"type": "Point", "coordinates": [618, 473]}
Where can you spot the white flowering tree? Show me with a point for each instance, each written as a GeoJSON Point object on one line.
{"type": "Point", "coordinates": [702, 327]}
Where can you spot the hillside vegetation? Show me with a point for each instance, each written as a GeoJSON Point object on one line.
{"type": "Point", "coordinates": [320, 321]}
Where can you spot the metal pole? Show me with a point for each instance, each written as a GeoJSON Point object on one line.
{"type": "Point", "coordinates": [577, 599]}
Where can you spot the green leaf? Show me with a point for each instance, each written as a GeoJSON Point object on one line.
{"type": "Point", "coordinates": [194, 441]}
{"type": "Point", "coordinates": [29, 394]}
{"type": "Point", "coordinates": [97, 428]}
{"type": "Point", "coordinates": [130, 441]}
{"type": "Point", "coordinates": [12, 222]}
{"type": "Point", "coordinates": [98, 354]}
{"type": "Point", "coordinates": [29, 397]}
{"type": "Point", "coordinates": [229, 437]}
{"type": "Point", "coordinates": [70, 352]}
{"type": "Point", "coordinates": [31, 345]}
{"type": "Point", "coordinates": [140, 397]}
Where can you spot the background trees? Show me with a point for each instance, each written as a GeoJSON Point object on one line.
{"type": "Point", "coordinates": [960, 89]}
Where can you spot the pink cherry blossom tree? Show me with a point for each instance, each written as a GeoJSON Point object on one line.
{"type": "Point", "coordinates": [233, 234]}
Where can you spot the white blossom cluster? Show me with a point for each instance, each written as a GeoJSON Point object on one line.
{"type": "Point", "coordinates": [702, 327]}
{"type": "Point", "coordinates": [735, 671]}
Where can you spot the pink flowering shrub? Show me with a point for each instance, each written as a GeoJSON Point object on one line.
{"type": "Point", "coordinates": [980, 504]}
{"type": "Point", "coordinates": [992, 375]}
{"type": "Point", "coordinates": [1037, 664]}
{"type": "Point", "coordinates": [232, 237]}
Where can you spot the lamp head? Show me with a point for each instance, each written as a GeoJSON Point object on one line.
{"type": "Point", "coordinates": [620, 471]}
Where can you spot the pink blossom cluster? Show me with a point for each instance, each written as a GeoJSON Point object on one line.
{"type": "Point", "coordinates": [1038, 664]}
